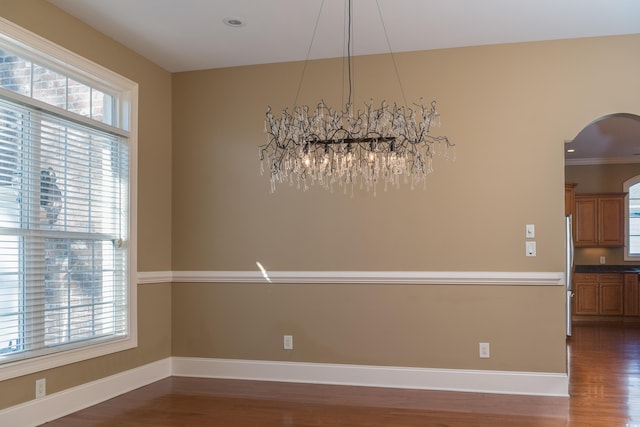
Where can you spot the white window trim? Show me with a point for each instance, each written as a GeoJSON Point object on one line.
{"type": "Point", "coordinates": [625, 186]}
{"type": "Point", "coordinates": [127, 119]}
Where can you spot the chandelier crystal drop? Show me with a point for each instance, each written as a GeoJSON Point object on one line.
{"type": "Point", "coordinates": [326, 147]}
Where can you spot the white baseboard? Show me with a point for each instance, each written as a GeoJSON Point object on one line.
{"type": "Point", "coordinates": [501, 382]}
{"type": "Point", "coordinates": [39, 411]}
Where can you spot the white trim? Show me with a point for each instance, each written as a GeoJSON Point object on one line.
{"type": "Point", "coordinates": [476, 381]}
{"type": "Point", "coordinates": [358, 277]}
{"type": "Point", "coordinates": [39, 411]}
{"type": "Point", "coordinates": [54, 360]}
{"type": "Point", "coordinates": [371, 277]}
{"type": "Point", "coordinates": [625, 188]}
{"type": "Point", "coordinates": [602, 161]}
{"type": "Point", "coordinates": [148, 277]}
{"type": "Point", "coordinates": [132, 239]}
{"type": "Point", "coordinates": [57, 112]}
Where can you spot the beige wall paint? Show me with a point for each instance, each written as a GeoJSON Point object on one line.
{"type": "Point", "coordinates": [154, 194]}
{"type": "Point", "coordinates": [508, 108]}
{"type": "Point", "coordinates": [605, 178]}
{"type": "Point", "coordinates": [382, 325]}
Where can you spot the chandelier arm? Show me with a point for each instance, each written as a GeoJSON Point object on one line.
{"type": "Point", "coordinates": [265, 147]}
{"type": "Point", "coordinates": [279, 156]}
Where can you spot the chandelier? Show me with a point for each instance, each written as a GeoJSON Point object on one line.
{"type": "Point", "coordinates": [327, 147]}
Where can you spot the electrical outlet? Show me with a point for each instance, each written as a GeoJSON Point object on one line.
{"type": "Point", "coordinates": [41, 388]}
{"type": "Point", "coordinates": [485, 350]}
{"type": "Point", "coordinates": [530, 248]}
{"type": "Point", "coordinates": [288, 342]}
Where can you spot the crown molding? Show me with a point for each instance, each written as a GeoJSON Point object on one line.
{"type": "Point", "coordinates": [602, 161]}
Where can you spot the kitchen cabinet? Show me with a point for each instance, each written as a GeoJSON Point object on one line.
{"type": "Point", "coordinates": [599, 220]}
{"type": "Point", "coordinates": [598, 294]}
{"type": "Point", "coordinates": [631, 295]}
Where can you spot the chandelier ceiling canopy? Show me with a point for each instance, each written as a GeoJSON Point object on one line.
{"type": "Point", "coordinates": [327, 147]}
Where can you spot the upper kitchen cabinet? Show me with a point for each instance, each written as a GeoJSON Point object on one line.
{"type": "Point", "coordinates": [599, 220]}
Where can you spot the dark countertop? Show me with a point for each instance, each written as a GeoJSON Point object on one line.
{"type": "Point", "coordinates": [607, 268]}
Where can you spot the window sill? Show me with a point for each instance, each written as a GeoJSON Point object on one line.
{"type": "Point", "coordinates": [41, 363]}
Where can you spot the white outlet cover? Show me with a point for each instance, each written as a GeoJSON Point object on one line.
{"type": "Point", "coordinates": [41, 388]}
{"type": "Point", "coordinates": [484, 350]}
{"type": "Point", "coordinates": [288, 342]}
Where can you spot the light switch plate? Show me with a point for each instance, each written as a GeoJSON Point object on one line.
{"type": "Point", "coordinates": [530, 231]}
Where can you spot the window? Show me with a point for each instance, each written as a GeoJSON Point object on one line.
{"type": "Point", "coordinates": [632, 223]}
{"type": "Point", "coordinates": [67, 199]}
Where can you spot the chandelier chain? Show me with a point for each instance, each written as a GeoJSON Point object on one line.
{"type": "Point", "coordinates": [306, 62]}
{"type": "Point", "coordinates": [393, 57]}
{"type": "Point", "coordinates": [349, 47]}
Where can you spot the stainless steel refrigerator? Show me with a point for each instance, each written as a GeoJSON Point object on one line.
{"type": "Point", "coordinates": [568, 268]}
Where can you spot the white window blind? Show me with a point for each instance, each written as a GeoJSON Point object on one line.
{"type": "Point", "coordinates": [63, 220]}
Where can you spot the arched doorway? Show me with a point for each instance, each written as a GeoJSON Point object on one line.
{"type": "Point", "coordinates": [608, 139]}
{"type": "Point", "coordinates": [599, 160]}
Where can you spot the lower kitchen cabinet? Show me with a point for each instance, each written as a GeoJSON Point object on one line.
{"type": "Point", "coordinates": [631, 295]}
{"type": "Point", "coordinates": [599, 294]}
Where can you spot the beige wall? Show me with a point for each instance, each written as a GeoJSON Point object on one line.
{"type": "Point", "coordinates": [605, 178]}
{"type": "Point", "coordinates": [382, 325]}
{"type": "Point", "coordinates": [508, 108]}
{"type": "Point", "coordinates": [154, 194]}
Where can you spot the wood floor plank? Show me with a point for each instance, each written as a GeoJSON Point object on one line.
{"type": "Point", "coordinates": [604, 391]}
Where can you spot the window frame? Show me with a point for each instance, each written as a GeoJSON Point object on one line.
{"type": "Point", "coordinates": [125, 118]}
{"type": "Point", "coordinates": [627, 246]}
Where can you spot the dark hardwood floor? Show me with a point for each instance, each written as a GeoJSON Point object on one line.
{"type": "Point", "coordinates": [604, 389]}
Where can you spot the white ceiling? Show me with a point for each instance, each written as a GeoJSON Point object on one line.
{"type": "Point", "coordinates": [186, 35]}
